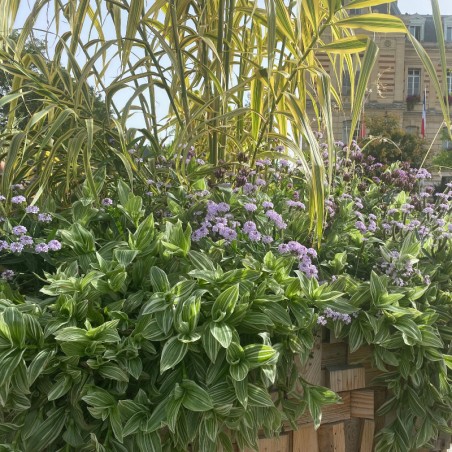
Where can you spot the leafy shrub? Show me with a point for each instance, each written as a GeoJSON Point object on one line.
{"type": "Point", "coordinates": [173, 314]}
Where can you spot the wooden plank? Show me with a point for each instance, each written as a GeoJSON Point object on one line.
{"type": "Point", "coordinates": [331, 437]}
{"type": "Point", "coordinates": [331, 413]}
{"type": "Point", "coordinates": [362, 403]}
{"type": "Point", "coordinates": [352, 434]}
{"type": "Point", "coordinates": [280, 444]}
{"type": "Point", "coordinates": [310, 371]}
{"type": "Point", "coordinates": [380, 396]}
{"type": "Point", "coordinates": [345, 378]}
{"type": "Point", "coordinates": [334, 354]}
{"type": "Point", "coordinates": [367, 436]}
{"type": "Point", "coordinates": [305, 439]}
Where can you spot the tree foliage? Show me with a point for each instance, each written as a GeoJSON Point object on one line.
{"type": "Point", "coordinates": [390, 143]}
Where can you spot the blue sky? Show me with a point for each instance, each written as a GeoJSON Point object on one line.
{"type": "Point", "coordinates": [424, 6]}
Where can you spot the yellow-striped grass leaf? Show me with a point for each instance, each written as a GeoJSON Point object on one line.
{"type": "Point", "coordinates": [442, 48]}
{"type": "Point", "coordinates": [352, 44]}
{"type": "Point", "coordinates": [374, 22]}
{"type": "Point", "coordinates": [133, 20]}
{"type": "Point", "coordinates": [368, 63]}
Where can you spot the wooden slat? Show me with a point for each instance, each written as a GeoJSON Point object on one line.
{"type": "Point", "coordinates": [345, 378]}
{"type": "Point", "coordinates": [305, 439]}
{"type": "Point", "coordinates": [310, 371]}
{"type": "Point", "coordinates": [280, 444]}
{"type": "Point", "coordinates": [362, 403]}
{"type": "Point", "coordinates": [367, 436]}
{"type": "Point", "coordinates": [352, 434]}
{"type": "Point", "coordinates": [331, 437]}
{"type": "Point", "coordinates": [361, 356]}
{"type": "Point", "coordinates": [334, 354]}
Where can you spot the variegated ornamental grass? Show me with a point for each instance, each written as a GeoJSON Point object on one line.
{"type": "Point", "coordinates": [237, 74]}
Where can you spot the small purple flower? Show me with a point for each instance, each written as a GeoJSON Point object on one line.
{"type": "Point", "coordinates": [4, 245]}
{"type": "Point", "coordinates": [32, 209]}
{"type": "Point", "coordinates": [250, 207]}
{"type": "Point", "coordinates": [428, 210]}
{"type": "Point", "coordinates": [267, 205]}
{"type": "Point", "coordinates": [44, 217]}
{"type": "Point", "coordinates": [248, 188]}
{"type": "Point", "coordinates": [199, 234]}
{"type": "Point", "coordinates": [18, 199]}
{"type": "Point", "coordinates": [2, 198]}
{"type": "Point", "coordinates": [228, 233]}
{"type": "Point", "coordinates": [284, 163]}
{"type": "Point", "coordinates": [41, 248]}
{"type": "Point", "coordinates": [267, 239]}
{"type": "Point", "coordinates": [321, 320]}
{"type": "Point", "coordinates": [16, 247]}
{"type": "Point", "coordinates": [422, 173]}
{"type": "Point", "coordinates": [260, 182]}
{"type": "Point", "coordinates": [360, 226]}
{"type": "Point", "coordinates": [249, 226]}
{"type": "Point", "coordinates": [54, 245]}
{"type": "Point", "coordinates": [7, 275]}
{"type": "Point", "coordinates": [139, 159]}
{"type": "Point", "coordinates": [107, 202]}
{"type": "Point", "coordinates": [276, 218]}
{"type": "Point", "coordinates": [19, 230]}
{"type": "Point", "coordinates": [298, 204]}
{"type": "Point", "coordinates": [26, 240]}
{"type": "Point", "coordinates": [254, 236]}
{"type": "Point", "coordinates": [131, 151]}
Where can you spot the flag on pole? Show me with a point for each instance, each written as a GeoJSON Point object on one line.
{"type": "Point", "coordinates": [424, 114]}
{"type": "Point", "coordinates": [362, 126]}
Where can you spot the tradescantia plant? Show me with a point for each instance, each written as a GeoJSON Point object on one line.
{"type": "Point", "coordinates": [175, 314]}
{"type": "Point", "coordinates": [142, 343]}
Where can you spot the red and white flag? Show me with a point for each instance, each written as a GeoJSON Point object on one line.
{"type": "Point", "coordinates": [424, 114]}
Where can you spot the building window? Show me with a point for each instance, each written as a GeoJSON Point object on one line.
{"type": "Point", "coordinates": [346, 126]}
{"type": "Point", "coordinates": [346, 88]}
{"type": "Point", "coordinates": [448, 34]}
{"type": "Point", "coordinates": [449, 81]}
{"type": "Point", "coordinates": [415, 30]}
{"type": "Point", "coordinates": [414, 82]}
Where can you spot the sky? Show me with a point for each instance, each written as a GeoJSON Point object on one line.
{"type": "Point", "coordinates": [424, 6]}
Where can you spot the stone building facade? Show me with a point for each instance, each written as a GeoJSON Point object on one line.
{"type": "Point", "coordinates": [399, 79]}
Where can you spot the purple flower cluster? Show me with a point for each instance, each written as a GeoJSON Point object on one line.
{"type": "Point", "coordinates": [329, 313]}
{"type": "Point", "coordinates": [26, 240]}
{"type": "Point", "coordinates": [32, 209]}
{"type": "Point", "coordinates": [18, 199]}
{"type": "Point", "coordinates": [107, 202]}
{"type": "Point", "coordinates": [276, 218]}
{"type": "Point", "coordinates": [298, 204]}
{"type": "Point", "coordinates": [7, 275]}
{"type": "Point", "coordinates": [398, 269]}
{"type": "Point", "coordinates": [304, 255]}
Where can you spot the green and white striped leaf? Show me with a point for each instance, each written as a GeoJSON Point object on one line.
{"type": "Point", "coordinates": [222, 333]}
{"type": "Point", "coordinates": [195, 398]}
{"type": "Point", "coordinates": [258, 355]}
{"type": "Point", "coordinates": [159, 280]}
{"type": "Point", "coordinates": [173, 353]}
{"type": "Point", "coordinates": [225, 303]}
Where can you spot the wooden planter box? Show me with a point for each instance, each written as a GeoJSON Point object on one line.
{"type": "Point", "coordinates": [347, 427]}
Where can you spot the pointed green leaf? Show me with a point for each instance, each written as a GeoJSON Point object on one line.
{"type": "Point", "coordinates": [195, 398]}
{"type": "Point", "coordinates": [173, 353]}
{"type": "Point", "coordinates": [222, 333]}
